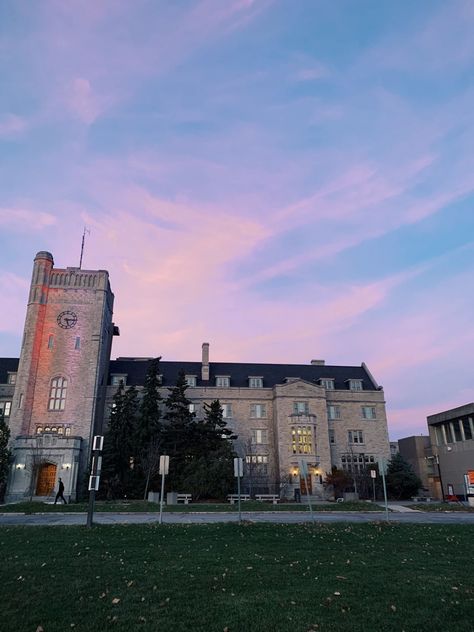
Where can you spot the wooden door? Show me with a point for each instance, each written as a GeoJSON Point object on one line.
{"type": "Point", "coordinates": [305, 485]}
{"type": "Point", "coordinates": [46, 479]}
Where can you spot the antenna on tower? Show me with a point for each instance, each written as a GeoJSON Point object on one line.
{"type": "Point", "coordinates": [86, 230]}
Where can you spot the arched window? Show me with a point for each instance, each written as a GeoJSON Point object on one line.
{"type": "Point", "coordinates": [57, 394]}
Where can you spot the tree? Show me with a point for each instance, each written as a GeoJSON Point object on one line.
{"type": "Point", "coordinates": [119, 444]}
{"type": "Point", "coordinates": [402, 482]}
{"type": "Point", "coordinates": [179, 432]}
{"type": "Point", "coordinates": [150, 461]}
{"type": "Point", "coordinates": [339, 480]}
{"type": "Point", "coordinates": [5, 455]}
{"type": "Point", "coordinates": [149, 426]}
{"type": "Point", "coordinates": [208, 471]}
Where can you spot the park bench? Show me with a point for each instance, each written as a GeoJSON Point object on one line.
{"type": "Point", "coordinates": [233, 498]}
{"type": "Point", "coordinates": [422, 499]}
{"type": "Point", "coordinates": [184, 498]}
{"type": "Point", "coordinates": [268, 497]}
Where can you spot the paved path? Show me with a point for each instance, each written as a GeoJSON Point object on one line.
{"type": "Point", "coordinates": [413, 517]}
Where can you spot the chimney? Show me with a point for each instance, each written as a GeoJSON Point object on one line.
{"type": "Point", "coordinates": [318, 362]}
{"type": "Point", "coordinates": [205, 362]}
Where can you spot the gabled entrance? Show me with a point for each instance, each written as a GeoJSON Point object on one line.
{"type": "Point", "coordinates": [46, 479]}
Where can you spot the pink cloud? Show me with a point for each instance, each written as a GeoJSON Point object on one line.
{"type": "Point", "coordinates": [24, 219]}
{"type": "Point", "coordinates": [14, 293]}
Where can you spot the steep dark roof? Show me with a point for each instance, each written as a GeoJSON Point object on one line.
{"type": "Point", "coordinates": [7, 364]}
{"type": "Point", "coordinates": [239, 372]}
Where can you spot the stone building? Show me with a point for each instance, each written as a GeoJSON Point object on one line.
{"type": "Point", "coordinates": [58, 394]}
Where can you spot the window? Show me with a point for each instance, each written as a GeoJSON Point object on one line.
{"type": "Point", "coordinates": [223, 381]}
{"type": "Point", "coordinates": [302, 440]}
{"type": "Point", "coordinates": [328, 384]}
{"type": "Point", "coordinates": [300, 408]}
{"type": "Point", "coordinates": [118, 379]}
{"type": "Point", "coordinates": [77, 344]}
{"type": "Point", "coordinates": [57, 394]}
{"type": "Point", "coordinates": [368, 412]}
{"type": "Point", "coordinates": [334, 412]}
{"type": "Point", "coordinates": [20, 401]}
{"type": "Point", "coordinates": [356, 462]}
{"type": "Point", "coordinates": [465, 425]}
{"type": "Point", "coordinates": [11, 379]}
{"type": "Point", "coordinates": [6, 408]}
{"type": "Point", "coordinates": [457, 431]}
{"type": "Point", "coordinates": [190, 380]}
{"type": "Point", "coordinates": [449, 433]}
{"type": "Point", "coordinates": [192, 408]}
{"type": "Point", "coordinates": [258, 411]}
{"type": "Point", "coordinates": [67, 431]}
{"type": "Point", "coordinates": [355, 385]}
{"type": "Point", "coordinates": [439, 435]}
{"type": "Point", "coordinates": [261, 460]}
{"type": "Point", "coordinates": [255, 382]}
{"type": "Point", "coordinates": [355, 436]}
{"type": "Point", "coordinates": [332, 438]}
{"type": "Point", "coordinates": [50, 341]}
{"type": "Point", "coordinates": [259, 436]}
{"type": "Point", "coordinates": [39, 429]}
{"type": "Point", "coordinates": [227, 411]}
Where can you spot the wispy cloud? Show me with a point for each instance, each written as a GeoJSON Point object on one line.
{"type": "Point", "coordinates": [24, 220]}
{"type": "Point", "coordinates": [12, 125]}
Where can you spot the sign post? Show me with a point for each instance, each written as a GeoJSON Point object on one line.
{"type": "Point", "coordinates": [304, 474]}
{"type": "Point", "coordinates": [373, 476]}
{"type": "Point", "coordinates": [94, 478]}
{"type": "Point", "coordinates": [164, 469]}
{"type": "Point", "coordinates": [238, 473]}
{"type": "Point", "coordinates": [382, 466]}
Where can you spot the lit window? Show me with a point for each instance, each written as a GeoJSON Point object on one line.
{"type": "Point", "coordinates": [67, 432]}
{"type": "Point", "coordinates": [192, 408]}
{"type": "Point", "coordinates": [255, 382]}
{"type": "Point", "coordinates": [57, 394]}
{"type": "Point", "coordinates": [258, 411]}
{"type": "Point", "coordinates": [6, 407]}
{"type": "Point", "coordinates": [355, 385]}
{"type": "Point", "coordinates": [355, 436]}
{"type": "Point", "coordinates": [257, 464]}
{"type": "Point", "coordinates": [60, 430]}
{"type": "Point", "coordinates": [11, 379]}
{"type": "Point", "coordinates": [368, 412]}
{"type": "Point", "coordinates": [223, 381]}
{"type": "Point", "coordinates": [50, 341]}
{"type": "Point", "coordinates": [302, 440]}
{"type": "Point", "coordinates": [227, 411]}
{"type": "Point", "coordinates": [77, 344]}
{"type": "Point", "coordinates": [259, 436]}
{"type": "Point", "coordinates": [190, 380]}
{"type": "Point", "coordinates": [334, 412]}
{"type": "Point", "coordinates": [39, 429]}
{"type": "Point", "coordinates": [256, 458]}
{"type": "Point", "coordinates": [328, 384]}
{"type": "Point", "coordinates": [300, 408]}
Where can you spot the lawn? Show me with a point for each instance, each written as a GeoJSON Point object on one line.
{"type": "Point", "coordinates": [143, 506]}
{"type": "Point", "coordinates": [247, 578]}
{"type": "Point", "coordinates": [442, 507]}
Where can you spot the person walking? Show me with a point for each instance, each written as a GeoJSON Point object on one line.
{"type": "Point", "coordinates": [60, 493]}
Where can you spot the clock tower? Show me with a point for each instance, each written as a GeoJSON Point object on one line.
{"type": "Point", "coordinates": [59, 394]}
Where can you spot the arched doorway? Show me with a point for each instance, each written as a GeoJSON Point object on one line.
{"type": "Point", "coordinates": [46, 479]}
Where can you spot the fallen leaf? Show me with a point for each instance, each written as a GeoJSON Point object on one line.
{"type": "Point", "coordinates": [115, 600]}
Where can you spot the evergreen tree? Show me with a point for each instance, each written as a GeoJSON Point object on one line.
{"type": "Point", "coordinates": [119, 444]}
{"type": "Point", "coordinates": [149, 427]}
{"type": "Point", "coordinates": [5, 455]}
{"type": "Point", "coordinates": [179, 433]}
{"type": "Point", "coordinates": [402, 482]}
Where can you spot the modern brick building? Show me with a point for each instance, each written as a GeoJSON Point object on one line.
{"type": "Point", "coordinates": [57, 395]}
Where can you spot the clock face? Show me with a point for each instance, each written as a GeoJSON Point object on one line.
{"type": "Point", "coordinates": [67, 320]}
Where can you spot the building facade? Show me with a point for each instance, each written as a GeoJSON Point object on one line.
{"type": "Point", "coordinates": [58, 394]}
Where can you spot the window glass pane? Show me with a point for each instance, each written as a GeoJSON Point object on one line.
{"type": "Point", "coordinates": [457, 431]}
{"type": "Point", "coordinates": [467, 429]}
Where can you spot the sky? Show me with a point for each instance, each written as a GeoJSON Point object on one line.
{"type": "Point", "coordinates": [284, 179]}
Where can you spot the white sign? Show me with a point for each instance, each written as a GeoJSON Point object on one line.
{"type": "Point", "coordinates": [94, 483]}
{"type": "Point", "coordinates": [98, 443]}
{"type": "Point", "coordinates": [164, 464]}
{"type": "Point", "coordinates": [238, 467]}
{"type": "Point", "coordinates": [373, 473]}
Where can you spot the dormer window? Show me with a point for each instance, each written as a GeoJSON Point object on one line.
{"type": "Point", "coordinates": [190, 380]}
{"type": "Point", "coordinates": [118, 378]}
{"type": "Point", "coordinates": [223, 381]}
{"type": "Point", "coordinates": [11, 379]}
{"type": "Point", "coordinates": [327, 383]}
{"type": "Point", "coordinates": [355, 385]}
{"type": "Point", "coordinates": [255, 382]}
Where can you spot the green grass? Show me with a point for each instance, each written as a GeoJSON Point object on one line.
{"type": "Point", "coordinates": [249, 578]}
{"type": "Point", "coordinates": [442, 507]}
{"type": "Point", "coordinates": [143, 506]}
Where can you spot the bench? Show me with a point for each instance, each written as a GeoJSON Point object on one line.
{"type": "Point", "coordinates": [233, 498]}
{"type": "Point", "coordinates": [422, 499]}
{"type": "Point", "coordinates": [268, 497]}
{"type": "Point", "coordinates": [184, 498]}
